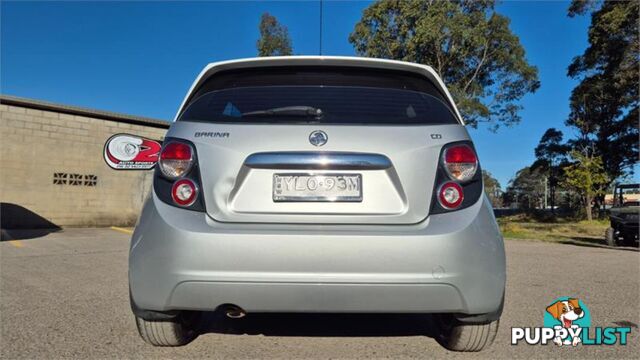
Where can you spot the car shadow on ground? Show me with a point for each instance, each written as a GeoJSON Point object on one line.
{"type": "Point", "coordinates": [320, 325]}
{"type": "Point", "coordinates": [594, 243]}
{"type": "Point", "coordinates": [25, 234]}
{"type": "Point", "coordinates": [20, 223]}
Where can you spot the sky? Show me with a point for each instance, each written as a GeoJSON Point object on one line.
{"type": "Point", "coordinates": [140, 58]}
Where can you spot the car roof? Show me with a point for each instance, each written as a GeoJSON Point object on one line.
{"type": "Point", "coordinates": [362, 62]}
{"type": "Point", "coordinates": [628, 186]}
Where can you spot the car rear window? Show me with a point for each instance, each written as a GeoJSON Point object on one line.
{"type": "Point", "coordinates": [326, 95]}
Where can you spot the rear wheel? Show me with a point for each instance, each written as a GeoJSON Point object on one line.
{"type": "Point", "coordinates": [174, 332]}
{"type": "Point", "coordinates": [457, 336]}
{"type": "Point", "coordinates": [610, 236]}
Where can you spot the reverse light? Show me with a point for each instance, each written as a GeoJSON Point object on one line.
{"type": "Point", "coordinates": [450, 195]}
{"type": "Point", "coordinates": [184, 192]}
{"type": "Point", "coordinates": [460, 162]}
{"type": "Point", "coordinates": [176, 159]}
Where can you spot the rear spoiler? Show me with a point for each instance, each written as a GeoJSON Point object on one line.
{"type": "Point", "coordinates": [423, 70]}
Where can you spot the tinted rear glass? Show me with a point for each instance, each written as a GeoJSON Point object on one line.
{"type": "Point", "coordinates": [327, 95]}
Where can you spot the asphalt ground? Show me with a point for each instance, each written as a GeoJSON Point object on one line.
{"type": "Point", "coordinates": [64, 295]}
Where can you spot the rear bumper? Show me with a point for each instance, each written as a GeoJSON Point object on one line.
{"type": "Point", "coordinates": [629, 230]}
{"type": "Point", "coordinates": [183, 260]}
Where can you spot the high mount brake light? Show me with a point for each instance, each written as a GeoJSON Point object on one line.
{"type": "Point", "coordinates": [450, 195]}
{"type": "Point", "coordinates": [460, 162]}
{"type": "Point", "coordinates": [184, 192]}
{"type": "Point", "coordinates": [176, 159]}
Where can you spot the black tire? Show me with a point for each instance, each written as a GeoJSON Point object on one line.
{"type": "Point", "coordinates": [175, 332]}
{"type": "Point", "coordinates": [610, 236]}
{"type": "Point", "coordinates": [457, 336]}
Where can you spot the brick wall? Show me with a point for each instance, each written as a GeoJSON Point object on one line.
{"type": "Point", "coordinates": [36, 144]}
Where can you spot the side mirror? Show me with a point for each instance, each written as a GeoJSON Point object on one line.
{"type": "Point", "coordinates": [131, 152]}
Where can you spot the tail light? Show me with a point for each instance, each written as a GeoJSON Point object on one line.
{"type": "Point", "coordinates": [184, 192]}
{"type": "Point", "coordinates": [460, 162]}
{"type": "Point", "coordinates": [176, 159]}
{"type": "Point", "coordinates": [177, 179]}
{"type": "Point", "coordinates": [450, 195]}
{"type": "Point", "coordinates": [458, 182]}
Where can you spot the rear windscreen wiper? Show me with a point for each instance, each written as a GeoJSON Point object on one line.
{"type": "Point", "coordinates": [299, 111]}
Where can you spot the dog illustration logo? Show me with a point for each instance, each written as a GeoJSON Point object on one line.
{"type": "Point", "coordinates": [566, 312]}
{"type": "Point", "coordinates": [567, 321]}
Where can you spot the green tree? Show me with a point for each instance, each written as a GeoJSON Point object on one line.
{"type": "Point", "coordinates": [551, 154]}
{"type": "Point", "coordinates": [604, 105]}
{"type": "Point", "coordinates": [492, 189]}
{"type": "Point", "coordinates": [466, 42]}
{"type": "Point", "coordinates": [526, 189]}
{"type": "Point", "coordinates": [587, 176]}
{"type": "Point", "coordinates": [274, 37]}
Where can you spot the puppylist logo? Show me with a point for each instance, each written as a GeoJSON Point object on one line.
{"type": "Point", "coordinates": [567, 322]}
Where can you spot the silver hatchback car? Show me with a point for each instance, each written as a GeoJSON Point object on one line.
{"type": "Point", "coordinates": [318, 184]}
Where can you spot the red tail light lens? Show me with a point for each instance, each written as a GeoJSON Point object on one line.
{"type": "Point", "coordinates": [176, 159]}
{"type": "Point", "coordinates": [184, 192]}
{"type": "Point", "coordinates": [460, 162]}
{"type": "Point", "coordinates": [450, 195]}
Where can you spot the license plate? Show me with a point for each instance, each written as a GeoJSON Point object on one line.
{"type": "Point", "coordinates": [319, 188]}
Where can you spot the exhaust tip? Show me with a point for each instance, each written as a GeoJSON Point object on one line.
{"type": "Point", "coordinates": [234, 312]}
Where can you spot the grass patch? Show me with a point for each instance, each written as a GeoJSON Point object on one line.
{"type": "Point", "coordinates": [559, 231]}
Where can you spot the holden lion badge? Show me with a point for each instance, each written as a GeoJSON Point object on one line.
{"type": "Point", "coordinates": [131, 152]}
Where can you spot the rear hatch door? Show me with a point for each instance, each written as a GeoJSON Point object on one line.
{"type": "Point", "coordinates": [309, 144]}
